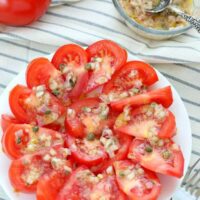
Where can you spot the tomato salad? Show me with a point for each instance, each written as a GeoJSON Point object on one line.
{"type": "Point", "coordinates": [88, 126]}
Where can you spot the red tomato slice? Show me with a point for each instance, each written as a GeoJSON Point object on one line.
{"type": "Point", "coordinates": [122, 141]}
{"type": "Point", "coordinates": [70, 60]}
{"type": "Point", "coordinates": [85, 151]}
{"type": "Point", "coordinates": [42, 72]}
{"type": "Point", "coordinates": [7, 120]}
{"type": "Point", "coordinates": [136, 182]}
{"type": "Point", "coordinates": [25, 172]}
{"type": "Point", "coordinates": [105, 57]}
{"type": "Point", "coordinates": [20, 139]}
{"type": "Point", "coordinates": [162, 96]}
{"type": "Point", "coordinates": [83, 184]}
{"type": "Point", "coordinates": [107, 188]}
{"type": "Point", "coordinates": [162, 156]}
{"type": "Point", "coordinates": [88, 116]}
{"type": "Point", "coordinates": [147, 121]}
{"type": "Point", "coordinates": [50, 185]}
{"type": "Point", "coordinates": [78, 185]}
{"type": "Point", "coordinates": [35, 106]}
{"type": "Point", "coordinates": [131, 78]}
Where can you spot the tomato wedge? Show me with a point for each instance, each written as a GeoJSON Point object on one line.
{"type": "Point", "coordinates": [70, 60]}
{"type": "Point", "coordinates": [105, 57]}
{"type": "Point", "coordinates": [42, 72]}
{"type": "Point", "coordinates": [162, 96]}
{"type": "Point", "coordinates": [136, 182]}
{"type": "Point", "coordinates": [21, 139]}
{"type": "Point", "coordinates": [162, 156]}
{"type": "Point", "coordinates": [50, 185]}
{"type": "Point", "coordinates": [25, 172]}
{"type": "Point", "coordinates": [130, 80]}
{"type": "Point", "coordinates": [7, 120]}
{"type": "Point", "coordinates": [88, 116]}
{"type": "Point", "coordinates": [116, 145]}
{"type": "Point", "coordinates": [78, 185]}
{"type": "Point", "coordinates": [35, 106]}
{"type": "Point", "coordinates": [107, 188]}
{"type": "Point", "coordinates": [85, 151]}
{"type": "Point", "coordinates": [147, 121]}
{"type": "Point", "coordinates": [83, 184]}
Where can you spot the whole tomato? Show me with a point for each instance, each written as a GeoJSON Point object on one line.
{"type": "Point", "coordinates": [21, 12]}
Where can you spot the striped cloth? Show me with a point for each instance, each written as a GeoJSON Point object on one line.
{"type": "Point", "coordinates": [90, 20]}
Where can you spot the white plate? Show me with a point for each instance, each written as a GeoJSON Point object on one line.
{"type": "Point", "coordinates": [183, 138]}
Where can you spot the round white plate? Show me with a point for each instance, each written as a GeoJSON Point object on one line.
{"type": "Point", "coordinates": [183, 138]}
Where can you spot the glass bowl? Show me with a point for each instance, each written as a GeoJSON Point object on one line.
{"type": "Point", "coordinates": [155, 34]}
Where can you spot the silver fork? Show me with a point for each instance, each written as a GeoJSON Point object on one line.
{"type": "Point", "coordinates": [191, 181]}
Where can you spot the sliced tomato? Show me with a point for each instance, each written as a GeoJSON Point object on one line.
{"type": "Point", "coordinates": [78, 185]}
{"type": "Point", "coordinates": [25, 172]}
{"type": "Point", "coordinates": [83, 184]}
{"type": "Point", "coordinates": [35, 106]}
{"type": "Point", "coordinates": [136, 182]}
{"type": "Point", "coordinates": [107, 188]}
{"type": "Point", "coordinates": [42, 72]}
{"type": "Point", "coordinates": [70, 60]}
{"type": "Point", "coordinates": [147, 121]}
{"type": "Point", "coordinates": [162, 156]}
{"type": "Point", "coordinates": [132, 78]}
{"type": "Point", "coordinates": [116, 145]}
{"type": "Point", "coordinates": [105, 57]}
{"type": "Point", "coordinates": [20, 139]}
{"type": "Point", "coordinates": [88, 116]}
{"type": "Point", "coordinates": [7, 120]}
{"type": "Point", "coordinates": [87, 152]}
{"type": "Point", "coordinates": [162, 96]}
{"type": "Point", "coordinates": [50, 185]}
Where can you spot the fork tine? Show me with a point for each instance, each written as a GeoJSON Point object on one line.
{"type": "Point", "coordinates": [189, 172]}
{"type": "Point", "coordinates": [191, 180]}
{"type": "Point", "coordinates": [195, 186]}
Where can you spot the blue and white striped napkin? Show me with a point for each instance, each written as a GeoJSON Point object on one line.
{"type": "Point", "coordinates": [89, 20]}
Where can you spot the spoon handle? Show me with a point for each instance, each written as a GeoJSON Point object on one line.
{"type": "Point", "coordinates": [193, 21]}
{"type": "Point", "coordinates": [55, 3]}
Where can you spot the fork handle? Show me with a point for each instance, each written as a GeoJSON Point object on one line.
{"type": "Point", "coordinates": [193, 21]}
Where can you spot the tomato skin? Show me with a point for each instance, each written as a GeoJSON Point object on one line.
{"type": "Point", "coordinates": [15, 150]}
{"type": "Point", "coordinates": [76, 127]}
{"type": "Point", "coordinates": [162, 96]}
{"type": "Point", "coordinates": [18, 167]}
{"type": "Point", "coordinates": [125, 142]}
{"type": "Point", "coordinates": [156, 162]}
{"type": "Point", "coordinates": [82, 157]}
{"type": "Point", "coordinates": [50, 185]}
{"type": "Point", "coordinates": [73, 50]}
{"type": "Point", "coordinates": [7, 120]}
{"type": "Point", "coordinates": [39, 72]}
{"type": "Point", "coordinates": [22, 12]}
{"type": "Point", "coordinates": [146, 73]}
{"type": "Point", "coordinates": [73, 186]}
{"type": "Point", "coordinates": [141, 122]}
{"type": "Point", "coordinates": [110, 49]}
{"type": "Point", "coordinates": [75, 57]}
{"type": "Point", "coordinates": [126, 184]}
{"type": "Point", "coordinates": [16, 100]}
{"type": "Point", "coordinates": [15, 106]}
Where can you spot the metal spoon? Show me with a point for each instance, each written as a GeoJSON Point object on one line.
{"type": "Point", "coordinates": [55, 3]}
{"type": "Point", "coordinates": [168, 4]}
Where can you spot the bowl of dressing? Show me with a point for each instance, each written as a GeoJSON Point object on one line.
{"type": "Point", "coordinates": [158, 26]}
